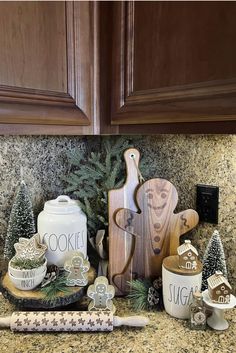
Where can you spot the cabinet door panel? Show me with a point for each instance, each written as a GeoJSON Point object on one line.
{"type": "Point", "coordinates": [33, 45]}
{"type": "Point", "coordinates": [47, 63]}
{"type": "Point", "coordinates": [173, 62]}
{"type": "Point", "coordinates": [172, 37]}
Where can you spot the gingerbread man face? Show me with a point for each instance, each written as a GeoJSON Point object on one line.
{"type": "Point", "coordinates": [101, 288]}
{"type": "Point", "coordinates": [76, 261]}
{"type": "Point", "coordinates": [156, 196]}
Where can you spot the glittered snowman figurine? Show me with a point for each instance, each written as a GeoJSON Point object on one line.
{"type": "Point", "coordinates": [77, 267]}
{"type": "Point", "coordinates": [101, 294]}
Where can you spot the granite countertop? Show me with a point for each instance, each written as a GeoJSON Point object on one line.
{"type": "Point", "coordinates": [163, 334]}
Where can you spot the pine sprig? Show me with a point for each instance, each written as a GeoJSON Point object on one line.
{"type": "Point", "coordinates": [55, 287]}
{"type": "Point", "coordinates": [139, 293]}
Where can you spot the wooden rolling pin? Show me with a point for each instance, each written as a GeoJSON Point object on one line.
{"type": "Point", "coordinates": [69, 321]}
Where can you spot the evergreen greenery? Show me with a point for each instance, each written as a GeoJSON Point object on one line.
{"type": "Point", "coordinates": [54, 287]}
{"type": "Point", "coordinates": [214, 259]}
{"type": "Point", "coordinates": [139, 293]}
{"type": "Point", "coordinates": [26, 264]}
{"type": "Point", "coordinates": [93, 175]}
{"type": "Point", "coordinates": [21, 222]}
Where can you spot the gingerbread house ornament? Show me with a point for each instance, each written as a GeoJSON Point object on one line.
{"type": "Point", "coordinates": [188, 256]}
{"type": "Point", "coordinates": [219, 288]}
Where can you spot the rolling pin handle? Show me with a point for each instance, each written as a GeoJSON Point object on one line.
{"type": "Point", "coordinates": [135, 321]}
{"type": "Point", "coordinates": [5, 321]}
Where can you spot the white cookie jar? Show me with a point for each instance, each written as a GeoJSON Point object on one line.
{"type": "Point", "coordinates": [63, 227]}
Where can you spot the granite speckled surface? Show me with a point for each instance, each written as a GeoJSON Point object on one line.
{"type": "Point", "coordinates": [164, 334]}
{"type": "Point", "coordinates": [185, 160]}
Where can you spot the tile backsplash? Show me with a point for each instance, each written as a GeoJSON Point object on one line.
{"type": "Point", "coordinates": [185, 160]}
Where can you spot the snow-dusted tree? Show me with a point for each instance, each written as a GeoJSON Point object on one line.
{"type": "Point", "coordinates": [21, 222]}
{"type": "Point", "coordinates": [214, 259]}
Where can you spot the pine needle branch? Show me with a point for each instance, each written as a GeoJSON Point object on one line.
{"type": "Point", "coordinates": [139, 293]}
{"type": "Point", "coordinates": [26, 264]}
{"type": "Point", "coordinates": [93, 175]}
{"type": "Point", "coordinates": [55, 287]}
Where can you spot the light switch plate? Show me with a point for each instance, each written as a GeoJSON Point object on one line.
{"type": "Point", "coordinates": [207, 203]}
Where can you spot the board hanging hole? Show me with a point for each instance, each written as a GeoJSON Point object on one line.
{"type": "Point", "coordinates": [132, 155]}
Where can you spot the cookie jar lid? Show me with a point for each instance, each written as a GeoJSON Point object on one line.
{"type": "Point", "coordinates": [171, 263]}
{"type": "Point", "coordinates": [62, 205]}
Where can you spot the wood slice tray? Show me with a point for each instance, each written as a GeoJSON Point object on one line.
{"type": "Point", "coordinates": [36, 300]}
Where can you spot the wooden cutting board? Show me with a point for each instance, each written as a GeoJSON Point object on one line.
{"type": "Point", "coordinates": [121, 243]}
{"type": "Point", "coordinates": [156, 229]}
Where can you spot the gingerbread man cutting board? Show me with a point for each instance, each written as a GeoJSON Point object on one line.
{"type": "Point", "coordinates": [156, 229]}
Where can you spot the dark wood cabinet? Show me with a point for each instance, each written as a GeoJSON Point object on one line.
{"type": "Point", "coordinates": [48, 67]}
{"type": "Point", "coordinates": [173, 62]}
{"type": "Point", "coordinates": [80, 67]}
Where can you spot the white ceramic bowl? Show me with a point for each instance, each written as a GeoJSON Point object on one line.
{"type": "Point", "coordinates": [24, 274]}
{"type": "Point", "coordinates": [27, 283]}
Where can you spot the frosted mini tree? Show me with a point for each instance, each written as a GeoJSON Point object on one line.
{"type": "Point", "coordinates": [21, 222]}
{"type": "Point", "coordinates": [214, 259]}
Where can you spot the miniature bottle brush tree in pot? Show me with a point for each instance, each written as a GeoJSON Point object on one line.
{"type": "Point", "coordinates": [21, 222]}
{"type": "Point", "coordinates": [214, 259]}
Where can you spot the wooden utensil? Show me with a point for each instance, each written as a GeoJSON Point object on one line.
{"type": "Point", "coordinates": [121, 243]}
{"type": "Point", "coordinates": [156, 229]}
{"type": "Point", "coordinates": [69, 321]}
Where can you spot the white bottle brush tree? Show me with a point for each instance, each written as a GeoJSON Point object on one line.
{"type": "Point", "coordinates": [214, 259]}
{"type": "Point", "coordinates": [21, 222]}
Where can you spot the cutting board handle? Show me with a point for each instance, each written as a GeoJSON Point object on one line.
{"type": "Point", "coordinates": [131, 157]}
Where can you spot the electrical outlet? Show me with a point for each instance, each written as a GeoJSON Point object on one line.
{"type": "Point", "coordinates": [208, 203]}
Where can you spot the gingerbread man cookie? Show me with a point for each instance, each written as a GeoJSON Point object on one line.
{"type": "Point", "coordinates": [101, 294]}
{"type": "Point", "coordinates": [78, 268]}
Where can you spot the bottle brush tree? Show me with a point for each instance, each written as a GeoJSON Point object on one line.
{"type": "Point", "coordinates": [21, 222]}
{"type": "Point", "coordinates": [214, 259]}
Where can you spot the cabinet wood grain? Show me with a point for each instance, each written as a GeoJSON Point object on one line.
{"type": "Point", "coordinates": [117, 67]}
{"type": "Point", "coordinates": [173, 62]}
{"type": "Point", "coordinates": [48, 63]}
